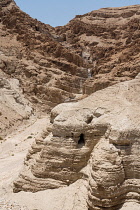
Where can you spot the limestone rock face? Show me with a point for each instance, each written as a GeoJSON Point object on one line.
{"type": "Point", "coordinates": [97, 139]}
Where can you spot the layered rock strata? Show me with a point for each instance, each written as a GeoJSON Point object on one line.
{"type": "Point", "coordinates": [51, 63]}
{"type": "Point", "coordinates": [14, 108]}
{"type": "Point", "coordinates": [97, 139]}
{"type": "Point", "coordinates": [48, 73]}
{"type": "Point", "coordinates": [108, 40]}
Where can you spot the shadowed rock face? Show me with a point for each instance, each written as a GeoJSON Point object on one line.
{"type": "Point", "coordinates": [98, 139]}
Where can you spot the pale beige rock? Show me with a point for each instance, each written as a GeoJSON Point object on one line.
{"type": "Point", "coordinates": [96, 139]}
{"type": "Point", "coordinates": [14, 108]}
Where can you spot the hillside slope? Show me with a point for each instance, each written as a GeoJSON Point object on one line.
{"type": "Point", "coordinates": [89, 150]}
{"type": "Point", "coordinates": [47, 71]}
{"type": "Point", "coordinates": [108, 40]}
{"type": "Point", "coordinates": [51, 63]}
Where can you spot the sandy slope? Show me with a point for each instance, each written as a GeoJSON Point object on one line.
{"type": "Point", "coordinates": [14, 150]}
{"type": "Point", "coordinates": [12, 154]}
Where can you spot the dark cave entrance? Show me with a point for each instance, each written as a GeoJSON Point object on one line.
{"type": "Point", "coordinates": [81, 141]}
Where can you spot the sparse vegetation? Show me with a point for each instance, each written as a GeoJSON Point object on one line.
{"type": "Point", "coordinates": [29, 137]}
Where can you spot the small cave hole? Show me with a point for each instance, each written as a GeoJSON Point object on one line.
{"type": "Point", "coordinates": [81, 141]}
{"type": "Point", "coordinates": [89, 119]}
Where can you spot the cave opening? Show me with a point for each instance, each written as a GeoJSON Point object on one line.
{"type": "Point", "coordinates": [81, 141]}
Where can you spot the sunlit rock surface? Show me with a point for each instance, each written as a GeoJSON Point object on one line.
{"type": "Point", "coordinates": [96, 139]}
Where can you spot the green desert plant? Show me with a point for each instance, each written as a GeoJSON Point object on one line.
{"type": "Point", "coordinates": [1, 138]}
{"type": "Point", "coordinates": [29, 137]}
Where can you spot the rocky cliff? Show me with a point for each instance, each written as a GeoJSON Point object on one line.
{"type": "Point", "coordinates": [96, 139]}
{"type": "Point", "coordinates": [51, 63]}
{"type": "Point", "coordinates": [48, 72]}
{"type": "Point", "coordinates": [108, 40]}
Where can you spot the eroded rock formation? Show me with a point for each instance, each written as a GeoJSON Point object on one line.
{"type": "Point", "coordinates": [96, 139]}
{"type": "Point", "coordinates": [48, 73]}
{"type": "Point", "coordinates": [108, 40]}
